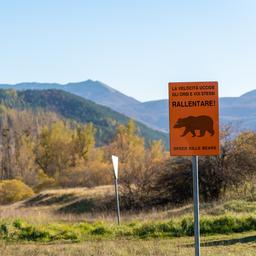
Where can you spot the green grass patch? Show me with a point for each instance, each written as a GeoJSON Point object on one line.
{"type": "Point", "coordinates": [240, 206]}
{"type": "Point", "coordinates": [19, 230]}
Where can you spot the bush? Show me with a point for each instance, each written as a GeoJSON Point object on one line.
{"type": "Point", "coordinates": [174, 182]}
{"type": "Point", "coordinates": [146, 230]}
{"type": "Point", "coordinates": [44, 182]}
{"type": "Point", "coordinates": [100, 231]}
{"type": "Point", "coordinates": [14, 190]}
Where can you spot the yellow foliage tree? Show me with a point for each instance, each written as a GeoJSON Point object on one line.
{"type": "Point", "coordinates": [84, 142]}
{"type": "Point", "coordinates": [135, 161]}
{"type": "Point", "coordinates": [53, 150]}
{"type": "Point", "coordinates": [14, 190]}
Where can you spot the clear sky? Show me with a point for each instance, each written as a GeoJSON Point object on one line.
{"type": "Point", "coordinates": [135, 46]}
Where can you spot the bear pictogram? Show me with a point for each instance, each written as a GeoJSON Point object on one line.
{"type": "Point", "coordinates": [193, 123]}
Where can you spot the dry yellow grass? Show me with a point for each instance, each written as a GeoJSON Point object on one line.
{"type": "Point", "coordinates": [90, 192]}
{"type": "Point", "coordinates": [217, 246]}
{"type": "Point", "coordinates": [47, 207]}
{"type": "Point", "coordinates": [44, 206]}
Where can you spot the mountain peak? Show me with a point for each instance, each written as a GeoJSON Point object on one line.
{"type": "Point", "coordinates": [96, 83]}
{"type": "Point", "coordinates": [90, 83]}
{"type": "Point", "coordinates": [249, 94]}
{"type": "Point", "coordinates": [106, 86]}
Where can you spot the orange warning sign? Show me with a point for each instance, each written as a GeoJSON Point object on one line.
{"type": "Point", "coordinates": [194, 118]}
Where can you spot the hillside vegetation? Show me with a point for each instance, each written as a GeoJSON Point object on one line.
{"type": "Point", "coordinates": [76, 108]}
{"type": "Point", "coordinates": [44, 150]}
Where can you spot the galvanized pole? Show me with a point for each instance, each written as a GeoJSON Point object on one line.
{"type": "Point", "coordinates": [196, 205]}
{"type": "Point", "coordinates": [117, 201]}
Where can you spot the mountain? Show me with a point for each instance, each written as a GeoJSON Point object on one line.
{"type": "Point", "coordinates": [76, 108]}
{"type": "Point", "coordinates": [239, 111]}
{"type": "Point", "coordinates": [99, 93]}
{"type": "Point", "coordinates": [92, 90]}
{"type": "Point", "coordinates": [250, 94]}
{"type": "Point", "coordinates": [152, 113]}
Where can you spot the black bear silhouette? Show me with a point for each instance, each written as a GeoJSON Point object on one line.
{"type": "Point", "coordinates": [193, 123]}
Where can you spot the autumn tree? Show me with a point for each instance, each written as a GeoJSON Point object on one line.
{"type": "Point", "coordinates": [6, 145]}
{"type": "Point", "coordinates": [25, 166]}
{"type": "Point", "coordinates": [136, 163]}
{"type": "Point", "coordinates": [84, 141]}
{"type": "Point", "coordinates": [53, 149]}
{"type": "Point", "coordinates": [88, 166]}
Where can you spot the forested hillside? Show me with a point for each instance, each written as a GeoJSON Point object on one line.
{"type": "Point", "coordinates": [78, 109]}
{"type": "Point", "coordinates": [41, 149]}
{"type": "Point", "coordinates": [96, 91]}
{"type": "Point", "coordinates": [52, 138]}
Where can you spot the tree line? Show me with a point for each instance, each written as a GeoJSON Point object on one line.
{"type": "Point", "coordinates": [43, 150]}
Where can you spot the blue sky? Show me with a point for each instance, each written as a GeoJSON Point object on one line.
{"type": "Point", "coordinates": [135, 46]}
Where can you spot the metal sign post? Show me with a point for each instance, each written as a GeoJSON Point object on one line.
{"type": "Point", "coordinates": [196, 204]}
{"type": "Point", "coordinates": [115, 165]}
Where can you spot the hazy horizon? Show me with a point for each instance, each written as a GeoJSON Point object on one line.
{"type": "Point", "coordinates": [71, 82]}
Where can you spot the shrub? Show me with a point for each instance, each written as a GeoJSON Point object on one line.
{"type": "Point", "coordinates": [187, 226]}
{"type": "Point", "coordinates": [44, 181]}
{"type": "Point", "coordinates": [101, 230]}
{"type": "Point", "coordinates": [146, 230]}
{"type": "Point", "coordinates": [174, 182]}
{"type": "Point", "coordinates": [14, 190]}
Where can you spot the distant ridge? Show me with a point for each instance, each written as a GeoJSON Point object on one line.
{"type": "Point", "coordinates": [238, 111]}
{"type": "Point", "coordinates": [249, 94]}
{"type": "Point", "coordinates": [92, 90]}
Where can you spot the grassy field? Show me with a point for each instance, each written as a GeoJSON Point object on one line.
{"type": "Point", "coordinates": [229, 245]}
{"type": "Point", "coordinates": [73, 222]}
{"type": "Point", "coordinates": [78, 204]}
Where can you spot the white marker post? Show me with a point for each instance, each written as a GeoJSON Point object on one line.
{"type": "Point", "coordinates": [196, 204]}
{"type": "Point", "coordinates": [115, 165]}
